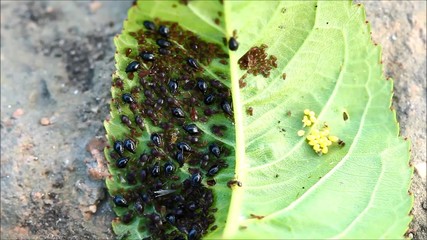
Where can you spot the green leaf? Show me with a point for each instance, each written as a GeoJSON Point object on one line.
{"type": "Point", "coordinates": [332, 67]}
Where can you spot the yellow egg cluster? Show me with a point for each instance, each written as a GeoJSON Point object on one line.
{"type": "Point", "coordinates": [321, 139]}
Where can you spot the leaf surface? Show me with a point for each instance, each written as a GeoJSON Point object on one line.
{"type": "Point", "coordinates": [288, 191]}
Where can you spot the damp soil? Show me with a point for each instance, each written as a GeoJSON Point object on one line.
{"type": "Point", "coordinates": [56, 65]}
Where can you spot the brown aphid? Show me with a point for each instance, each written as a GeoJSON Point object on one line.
{"type": "Point", "coordinates": [345, 116]}
{"type": "Point", "coordinates": [284, 76]}
{"type": "Point", "coordinates": [232, 183]}
{"type": "Point", "coordinates": [242, 83]}
{"type": "Point", "coordinates": [341, 143]}
{"type": "Point", "coordinates": [250, 111]}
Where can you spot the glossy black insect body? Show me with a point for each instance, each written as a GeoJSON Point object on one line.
{"type": "Point", "coordinates": [120, 201]}
{"type": "Point", "coordinates": [169, 168]}
{"type": "Point", "coordinates": [209, 99]}
{"type": "Point", "coordinates": [191, 128]}
{"type": "Point", "coordinates": [132, 67]}
{"type": "Point", "coordinates": [233, 45]}
{"type": "Point", "coordinates": [139, 207]}
{"type": "Point", "coordinates": [170, 218]}
{"type": "Point", "coordinates": [155, 171]}
{"type": "Point", "coordinates": [143, 175]}
{"type": "Point", "coordinates": [214, 149]}
{"type": "Point", "coordinates": [177, 112]}
{"type": "Point", "coordinates": [196, 179]}
{"type": "Point", "coordinates": [127, 98]}
{"type": "Point", "coordinates": [163, 43]}
{"type": "Point", "coordinates": [180, 158]}
{"type": "Point", "coordinates": [192, 234]}
{"type": "Point", "coordinates": [213, 170]}
{"type": "Point", "coordinates": [119, 147]}
{"type": "Point", "coordinates": [130, 145]}
{"type": "Point", "coordinates": [156, 139]}
{"type": "Point", "coordinates": [149, 25]}
{"type": "Point", "coordinates": [122, 162]}
{"type": "Point", "coordinates": [193, 63]}
{"type": "Point", "coordinates": [202, 85]}
{"type": "Point", "coordinates": [146, 56]}
{"type": "Point", "coordinates": [226, 107]}
{"type": "Point", "coordinates": [164, 31]}
{"type": "Point", "coordinates": [173, 86]}
{"type": "Point", "coordinates": [139, 121]}
{"type": "Point", "coordinates": [183, 146]}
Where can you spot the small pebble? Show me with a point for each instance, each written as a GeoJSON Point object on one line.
{"type": "Point", "coordinates": [45, 121]}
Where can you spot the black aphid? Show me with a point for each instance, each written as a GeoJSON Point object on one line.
{"type": "Point", "coordinates": [139, 207]}
{"type": "Point", "coordinates": [127, 98]}
{"type": "Point", "coordinates": [191, 128]}
{"type": "Point", "coordinates": [155, 171]}
{"type": "Point", "coordinates": [183, 146]}
{"type": "Point", "coordinates": [164, 51]}
{"type": "Point", "coordinates": [147, 56]}
{"type": "Point", "coordinates": [143, 175]}
{"type": "Point", "coordinates": [120, 201]}
{"type": "Point", "coordinates": [177, 112]}
{"type": "Point", "coordinates": [209, 99]}
{"type": "Point", "coordinates": [213, 170]}
{"type": "Point", "coordinates": [214, 149]}
{"type": "Point", "coordinates": [119, 147]}
{"type": "Point", "coordinates": [196, 179]}
{"type": "Point", "coordinates": [169, 168]}
{"type": "Point", "coordinates": [132, 67]}
{"type": "Point", "coordinates": [139, 121]}
{"type": "Point", "coordinates": [149, 25]}
{"type": "Point", "coordinates": [193, 63]}
{"type": "Point", "coordinates": [130, 145]}
{"type": "Point", "coordinates": [173, 86]}
{"type": "Point", "coordinates": [191, 206]}
{"type": "Point", "coordinates": [163, 43]}
{"type": "Point", "coordinates": [170, 218]}
{"type": "Point", "coordinates": [125, 120]}
{"type": "Point", "coordinates": [122, 162]}
{"type": "Point", "coordinates": [202, 85]}
{"type": "Point", "coordinates": [233, 45]}
{"type": "Point", "coordinates": [164, 31]}
{"type": "Point", "coordinates": [179, 157]}
{"type": "Point", "coordinates": [156, 139]}
{"type": "Point", "coordinates": [192, 234]}
{"type": "Point", "coordinates": [145, 198]}
{"type": "Point", "coordinates": [226, 107]}
{"type": "Point", "coordinates": [155, 218]}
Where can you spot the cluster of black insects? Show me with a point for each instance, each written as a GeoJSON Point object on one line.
{"type": "Point", "coordinates": [172, 96]}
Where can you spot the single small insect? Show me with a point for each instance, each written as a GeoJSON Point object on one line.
{"type": "Point", "coordinates": [191, 206]}
{"type": "Point", "coordinates": [163, 43]}
{"type": "Point", "coordinates": [120, 201]}
{"type": "Point", "coordinates": [139, 207]}
{"type": "Point", "coordinates": [213, 171]}
{"type": "Point", "coordinates": [164, 51]}
{"type": "Point", "coordinates": [139, 121]}
{"type": "Point", "coordinates": [191, 128]}
{"type": "Point", "coordinates": [122, 162]}
{"type": "Point", "coordinates": [164, 31]}
{"type": "Point", "coordinates": [192, 234]}
{"type": "Point", "coordinates": [193, 63]}
{"type": "Point", "coordinates": [169, 168]}
{"type": "Point", "coordinates": [130, 145]}
{"type": "Point", "coordinates": [156, 139]}
{"type": "Point", "coordinates": [180, 158]}
{"type": "Point", "coordinates": [233, 45]}
{"type": "Point", "coordinates": [155, 171]}
{"type": "Point", "coordinates": [132, 67]}
{"type": "Point", "coordinates": [183, 146]}
{"type": "Point", "coordinates": [171, 219]}
{"type": "Point", "coordinates": [143, 175]}
{"type": "Point", "coordinates": [209, 99]}
{"type": "Point", "coordinates": [226, 107]}
{"type": "Point", "coordinates": [147, 56]}
{"type": "Point", "coordinates": [127, 98]}
{"type": "Point", "coordinates": [177, 112]}
{"type": "Point", "coordinates": [149, 25]}
{"type": "Point", "coordinates": [125, 120]}
{"type": "Point", "coordinates": [196, 179]}
{"type": "Point", "coordinates": [119, 147]}
{"type": "Point", "coordinates": [202, 85]}
{"type": "Point", "coordinates": [173, 86]}
{"type": "Point", "coordinates": [214, 149]}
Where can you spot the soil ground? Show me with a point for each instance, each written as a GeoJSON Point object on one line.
{"type": "Point", "coordinates": [56, 63]}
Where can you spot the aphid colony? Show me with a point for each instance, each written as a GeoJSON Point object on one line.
{"type": "Point", "coordinates": [165, 183]}
{"type": "Point", "coordinates": [257, 61]}
{"type": "Point", "coordinates": [320, 140]}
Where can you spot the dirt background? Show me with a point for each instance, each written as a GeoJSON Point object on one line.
{"type": "Point", "coordinates": [56, 63]}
